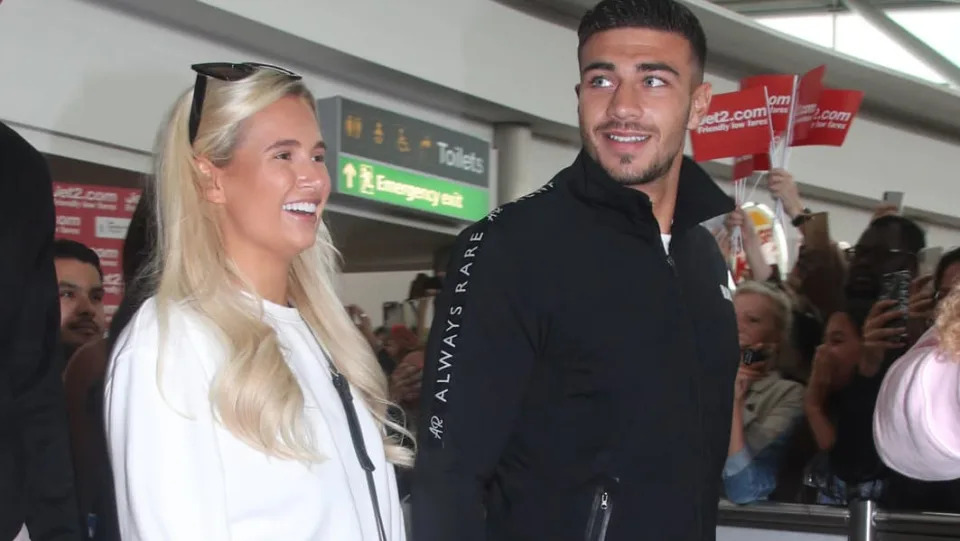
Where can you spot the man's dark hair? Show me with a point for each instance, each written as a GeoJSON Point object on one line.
{"type": "Point", "coordinates": [914, 239]}
{"type": "Point", "coordinates": [666, 15]}
{"type": "Point", "coordinates": [950, 258]}
{"type": "Point", "coordinates": [71, 249]}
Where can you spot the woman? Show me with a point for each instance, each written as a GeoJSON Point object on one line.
{"type": "Point", "coordinates": [228, 398]}
{"type": "Point", "coordinates": [917, 419]}
{"type": "Point", "coordinates": [766, 407]}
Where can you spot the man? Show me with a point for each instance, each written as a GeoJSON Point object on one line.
{"type": "Point", "coordinates": [581, 364]}
{"type": "Point", "coordinates": [890, 244]}
{"type": "Point", "coordinates": [80, 279]}
{"type": "Point", "coordinates": [36, 473]}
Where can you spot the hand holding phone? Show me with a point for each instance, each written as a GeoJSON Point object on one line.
{"type": "Point", "coordinates": [895, 286]}
{"type": "Point", "coordinates": [928, 259]}
{"type": "Point", "coordinates": [894, 199]}
{"type": "Point", "coordinates": [885, 329]}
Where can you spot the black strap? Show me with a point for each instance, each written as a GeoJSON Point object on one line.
{"type": "Point", "coordinates": [359, 447]}
{"type": "Point", "coordinates": [342, 386]}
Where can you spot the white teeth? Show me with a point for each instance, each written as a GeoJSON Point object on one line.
{"type": "Point", "coordinates": [629, 139]}
{"type": "Point", "coordinates": [309, 208]}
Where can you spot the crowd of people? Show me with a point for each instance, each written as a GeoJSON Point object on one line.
{"type": "Point", "coordinates": [590, 371]}
{"type": "Point", "coordinates": [827, 335]}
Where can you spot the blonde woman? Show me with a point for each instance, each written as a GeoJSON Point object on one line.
{"type": "Point", "coordinates": [766, 407]}
{"type": "Point", "coordinates": [241, 401]}
{"type": "Point", "coordinates": [916, 424]}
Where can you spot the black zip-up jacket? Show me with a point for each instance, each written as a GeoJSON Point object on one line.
{"type": "Point", "coordinates": [579, 380]}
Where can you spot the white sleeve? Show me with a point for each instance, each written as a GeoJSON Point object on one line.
{"type": "Point", "coordinates": [917, 419]}
{"type": "Point", "coordinates": [163, 448]}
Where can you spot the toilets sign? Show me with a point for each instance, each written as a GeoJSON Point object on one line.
{"type": "Point", "coordinates": [393, 159]}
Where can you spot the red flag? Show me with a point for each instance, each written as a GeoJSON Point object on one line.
{"type": "Point", "coordinates": [742, 167]}
{"type": "Point", "coordinates": [761, 162]}
{"type": "Point", "coordinates": [834, 115]}
{"type": "Point", "coordinates": [737, 124]}
{"type": "Point", "coordinates": [780, 90]}
{"type": "Point", "coordinates": [808, 94]}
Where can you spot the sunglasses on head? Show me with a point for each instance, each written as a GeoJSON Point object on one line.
{"type": "Point", "coordinates": [223, 71]}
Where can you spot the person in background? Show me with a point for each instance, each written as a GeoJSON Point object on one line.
{"type": "Point", "coordinates": [947, 275]}
{"type": "Point", "coordinates": [581, 362]}
{"type": "Point", "coordinates": [766, 407]}
{"type": "Point", "coordinates": [381, 333]}
{"type": "Point", "coordinates": [914, 422]}
{"type": "Point", "coordinates": [241, 402]}
{"type": "Point", "coordinates": [807, 327]}
{"type": "Point", "coordinates": [36, 469]}
{"type": "Point", "coordinates": [889, 244]}
{"type": "Point", "coordinates": [83, 382]}
{"type": "Point", "coordinates": [917, 419]}
{"type": "Point", "coordinates": [80, 278]}
{"type": "Point", "coordinates": [805, 475]}
{"type": "Point", "coordinates": [835, 364]}
{"type": "Point", "coordinates": [392, 347]}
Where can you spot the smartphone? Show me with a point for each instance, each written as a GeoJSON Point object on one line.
{"type": "Point", "coordinates": [929, 258]}
{"type": "Point", "coordinates": [895, 286]}
{"type": "Point", "coordinates": [894, 199]}
{"type": "Point", "coordinates": [752, 356]}
{"type": "Point", "coordinates": [816, 231]}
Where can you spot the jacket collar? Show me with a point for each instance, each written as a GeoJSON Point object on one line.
{"type": "Point", "coordinates": [698, 196]}
{"type": "Point", "coordinates": [765, 382]}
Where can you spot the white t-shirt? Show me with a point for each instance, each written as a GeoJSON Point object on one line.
{"type": "Point", "coordinates": [665, 238]}
{"type": "Point", "coordinates": [181, 476]}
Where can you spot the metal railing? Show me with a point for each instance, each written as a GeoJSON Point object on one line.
{"type": "Point", "coordinates": [862, 521]}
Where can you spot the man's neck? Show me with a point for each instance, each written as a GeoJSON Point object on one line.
{"type": "Point", "coordinates": [663, 196]}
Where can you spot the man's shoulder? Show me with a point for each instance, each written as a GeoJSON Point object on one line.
{"type": "Point", "coordinates": [522, 215]}
{"type": "Point", "coordinates": [16, 153]}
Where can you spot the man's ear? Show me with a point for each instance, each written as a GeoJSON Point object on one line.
{"type": "Point", "coordinates": [211, 181]}
{"type": "Point", "coordinates": [700, 104]}
{"type": "Point", "coordinates": [576, 87]}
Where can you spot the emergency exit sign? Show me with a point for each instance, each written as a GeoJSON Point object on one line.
{"type": "Point", "coordinates": [400, 161]}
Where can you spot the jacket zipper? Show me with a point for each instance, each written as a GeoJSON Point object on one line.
{"type": "Point", "coordinates": [700, 476]}
{"type": "Point", "coordinates": [600, 513]}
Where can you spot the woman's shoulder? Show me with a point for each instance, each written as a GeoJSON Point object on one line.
{"type": "Point", "coordinates": [174, 330]}
{"type": "Point", "coordinates": [177, 319]}
{"type": "Point", "coordinates": [784, 388]}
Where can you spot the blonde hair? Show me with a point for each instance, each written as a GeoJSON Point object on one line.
{"type": "Point", "coordinates": [948, 323]}
{"type": "Point", "coordinates": [782, 313]}
{"type": "Point", "coordinates": [254, 394]}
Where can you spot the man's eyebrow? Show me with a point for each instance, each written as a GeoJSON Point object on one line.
{"type": "Point", "coordinates": [67, 285]}
{"type": "Point", "coordinates": [645, 67]}
{"type": "Point", "coordinates": [657, 66]}
{"type": "Point", "coordinates": [599, 65]}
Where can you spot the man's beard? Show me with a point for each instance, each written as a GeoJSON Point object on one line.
{"type": "Point", "coordinates": [655, 172]}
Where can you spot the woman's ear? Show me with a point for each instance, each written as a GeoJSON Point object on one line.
{"type": "Point", "coordinates": [211, 181]}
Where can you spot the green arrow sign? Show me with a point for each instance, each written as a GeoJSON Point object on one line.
{"type": "Point", "coordinates": [373, 180]}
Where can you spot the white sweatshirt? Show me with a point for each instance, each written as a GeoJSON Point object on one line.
{"type": "Point", "coordinates": [180, 476]}
{"type": "Point", "coordinates": [916, 425]}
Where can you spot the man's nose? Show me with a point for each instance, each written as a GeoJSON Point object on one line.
{"type": "Point", "coordinates": [626, 103]}
{"type": "Point", "coordinates": [84, 305]}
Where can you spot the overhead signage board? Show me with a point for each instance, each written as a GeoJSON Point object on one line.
{"type": "Point", "coordinates": [396, 160]}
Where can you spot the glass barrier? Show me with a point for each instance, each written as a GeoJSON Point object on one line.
{"type": "Point", "coordinates": [862, 521]}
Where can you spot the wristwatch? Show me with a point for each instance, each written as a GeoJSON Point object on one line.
{"type": "Point", "coordinates": [802, 217]}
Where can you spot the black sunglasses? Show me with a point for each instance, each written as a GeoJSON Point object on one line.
{"type": "Point", "coordinates": [223, 71]}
